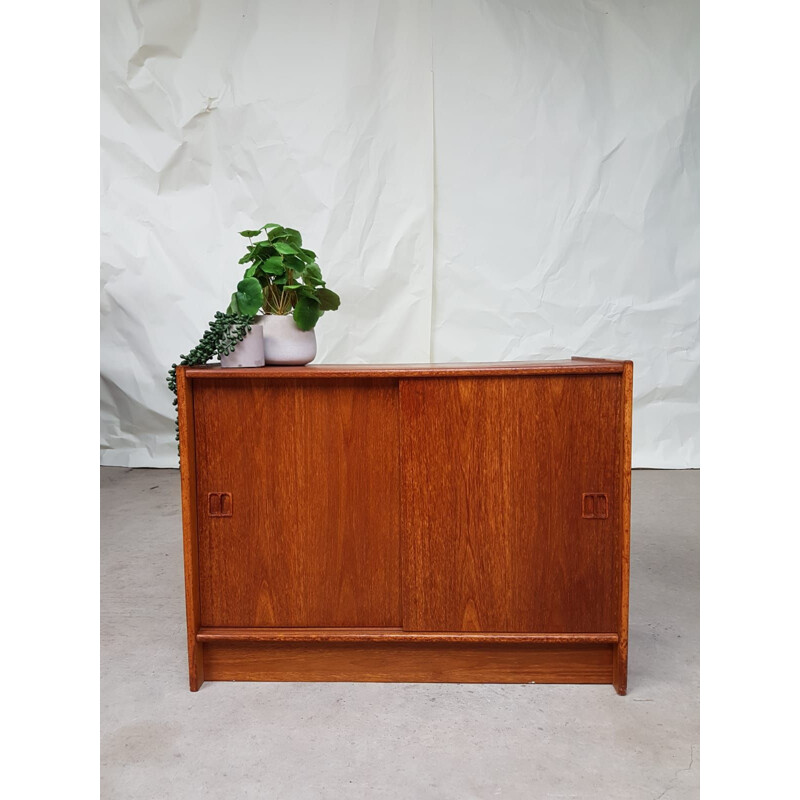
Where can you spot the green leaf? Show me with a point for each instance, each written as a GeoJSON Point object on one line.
{"type": "Point", "coordinates": [248, 296]}
{"type": "Point", "coordinates": [295, 264]}
{"type": "Point", "coordinates": [248, 256]}
{"type": "Point", "coordinates": [285, 248]}
{"type": "Point", "coordinates": [312, 274]}
{"type": "Point", "coordinates": [295, 236]}
{"type": "Point", "coordinates": [233, 306]}
{"type": "Point", "coordinates": [251, 270]}
{"type": "Point", "coordinates": [272, 266]}
{"type": "Point", "coordinates": [308, 291]}
{"type": "Point", "coordinates": [306, 313]}
{"type": "Point", "coordinates": [277, 232]}
{"type": "Point", "coordinates": [303, 254]}
{"type": "Point", "coordinates": [270, 225]}
{"type": "Point", "coordinates": [249, 234]}
{"type": "Point", "coordinates": [328, 300]}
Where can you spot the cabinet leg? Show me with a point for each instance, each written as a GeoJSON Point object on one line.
{"type": "Point", "coordinates": [196, 676]}
{"type": "Point", "coordinates": [620, 679]}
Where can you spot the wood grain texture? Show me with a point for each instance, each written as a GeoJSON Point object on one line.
{"type": "Point", "coordinates": [334, 371]}
{"type": "Point", "coordinates": [394, 635]}
{"type": "Point", "coordinates": [189, 513]}
{"type": "Point", "coordinates": [493, 475]}
{"type": "Point", "coordinates": [422, 663]}
{"type": "Point", "coordinates": [624, 537]}
{"type": "Point", "coordinates": [312, 468]}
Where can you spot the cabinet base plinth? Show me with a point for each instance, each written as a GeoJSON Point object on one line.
{"type": "Point", "coordinates": [403, 662]}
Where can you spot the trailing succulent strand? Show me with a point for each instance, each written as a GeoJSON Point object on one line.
{"type": "Point", "coordinates": [224, 332]}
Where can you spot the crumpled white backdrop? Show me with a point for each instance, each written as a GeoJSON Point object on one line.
{"type": "Point", "coordinates": [481, 181]}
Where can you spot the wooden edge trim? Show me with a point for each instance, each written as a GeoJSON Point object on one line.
{"type": "Point", "coordinates": [395, 635]}
{"type": "Point", "coordinates": [601, 360]}
{"type": "Point", "coordinates": [624, 548]}
{"type": "Point", "coordinates": [330, 371]}
{"type": "Point", "coordinates": [189, 514]}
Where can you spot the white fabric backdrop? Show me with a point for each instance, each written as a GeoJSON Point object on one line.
{"type": "Point", "coordinates": [481, 181]}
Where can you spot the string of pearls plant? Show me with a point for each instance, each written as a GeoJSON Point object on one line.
{"type": "Point", "coordinates": [224, 332]}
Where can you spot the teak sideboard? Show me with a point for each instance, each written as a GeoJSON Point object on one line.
{"type": "Point", "coordinates": [441, 522]}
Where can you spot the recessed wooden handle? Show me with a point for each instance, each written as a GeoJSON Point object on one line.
{"type": "Point", "coordinates": [220, 504]}
{"type": "Point", "coordinates": [594, 505]}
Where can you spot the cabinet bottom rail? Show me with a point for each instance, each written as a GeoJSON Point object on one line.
{"type": "Point", "coordinates": [437, 661]}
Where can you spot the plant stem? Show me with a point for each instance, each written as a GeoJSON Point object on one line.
{"type": "Point", "coordinates": [277, 301]}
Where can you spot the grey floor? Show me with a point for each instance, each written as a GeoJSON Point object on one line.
{"type": "Point", "coordinates": [338, 740]}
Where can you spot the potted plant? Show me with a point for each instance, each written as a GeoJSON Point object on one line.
{"type": "Point", "coordinates": [282, 278]}
{"type": "Point", "coordinates": [293, 293]}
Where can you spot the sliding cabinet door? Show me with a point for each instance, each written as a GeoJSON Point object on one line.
{"type": "Point", "coordinates": [510, 496]}
{"type": "Point", "coordinates": [298, 502]}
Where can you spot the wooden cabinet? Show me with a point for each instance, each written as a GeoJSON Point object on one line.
{"type": "Point", "coordinates": [439, 522]}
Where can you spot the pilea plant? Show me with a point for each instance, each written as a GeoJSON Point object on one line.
{"type": "Point", "coordinates": [285, 274]}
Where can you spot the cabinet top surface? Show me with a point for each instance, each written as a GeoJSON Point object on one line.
{"type": "Point", "coordinates": [567, 367]}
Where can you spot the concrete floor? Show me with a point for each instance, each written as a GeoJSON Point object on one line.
{"type": "Point", "coordinates": [336, 740]}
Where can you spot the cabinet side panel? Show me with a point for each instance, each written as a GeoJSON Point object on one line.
{"type": "Point", "coordinates": [495, 534]}
{"type": "Point", "coordinates": [188, 467]}
{"type": "Point", "coordinates": [624, 538]}
{"type": "Point", "coordinates": [299, 495]}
